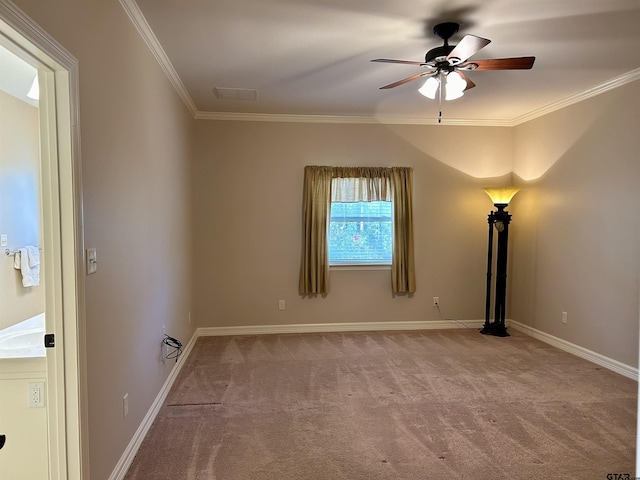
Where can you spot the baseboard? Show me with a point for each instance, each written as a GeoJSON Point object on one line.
{"type": "Point", "coordinates": [337, 327]}
{"type": "Point", "coordinates": [124, 463]}
{"type": "Point", "coordinates": [606, 362]}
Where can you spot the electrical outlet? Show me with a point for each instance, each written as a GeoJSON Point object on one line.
{"type": "Point", "coordinates": [164, 330]}
{"type": "Point", "coordinates": [125, 405]}
{"type": "Point", "coordinates": [281, 305]}
{"type": "Point", "coordinates": [436, 301]}
{"type": "Point", "coordinates": [36, 395]}
{"type": "Point", "coordinates": [564, 317]}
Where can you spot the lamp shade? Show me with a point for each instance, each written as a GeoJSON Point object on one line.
{"type": "Point", "coordinates": [501, 195]}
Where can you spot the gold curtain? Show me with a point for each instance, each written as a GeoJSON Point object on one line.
{"type": "Point", "coordinates": [316, 205]}
{"type": "Point", "coordinates": [358, 184]}
{"type": "Point", "coordinates": [403, 271]}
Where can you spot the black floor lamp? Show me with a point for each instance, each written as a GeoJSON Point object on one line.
{"type": "Point", "coordinates": [499, 219]}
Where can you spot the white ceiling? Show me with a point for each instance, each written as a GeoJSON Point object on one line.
{"type": "Point", "coordinates": [312, 57]}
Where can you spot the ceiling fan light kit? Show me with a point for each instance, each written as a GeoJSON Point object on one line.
{"type": "Point", "coordinates": [451, 85]}
{"type": "Point", "coordinates": [445, 65]}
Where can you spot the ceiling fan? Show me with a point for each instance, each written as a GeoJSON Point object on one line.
{"type": "Point", "coordinates": [446, 65]}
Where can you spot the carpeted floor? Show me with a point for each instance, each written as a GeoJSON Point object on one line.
{"type": "Point", "coordinates": [428, 405]}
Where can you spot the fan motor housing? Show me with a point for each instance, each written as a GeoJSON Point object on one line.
{"type": "Point", "coordinates": [446, 30]}
{"type": "Point", "coordinates": [438, 54]}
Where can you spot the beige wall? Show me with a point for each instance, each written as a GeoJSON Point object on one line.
{"type": "Point", "coordinates": [575, 242]}
{"type": "Point", "coordinates": [20, 217]}
{"type": "Point", "coordinates": [248, 202]}
{"type": "Point", "coordinates": [136, 137]}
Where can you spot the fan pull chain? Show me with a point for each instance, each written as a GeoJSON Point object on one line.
{"type": "Point", "coordinates": [440, 80]}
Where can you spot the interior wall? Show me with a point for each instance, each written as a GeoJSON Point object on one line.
{"type": "Point", "coordinates": [248, 180]}
{"type": "Point", "coordinates": [575, 243]}
{"type": "Point", "coordinates": [20, 216]}
{"type": "Point", "coordinates": [136, 140]}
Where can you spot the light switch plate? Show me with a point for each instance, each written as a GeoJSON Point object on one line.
{"type": "Point", "coordinates": [92, 261]}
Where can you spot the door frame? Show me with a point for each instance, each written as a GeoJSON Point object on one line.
{"type": "Point", "coordinates": [63, 242]}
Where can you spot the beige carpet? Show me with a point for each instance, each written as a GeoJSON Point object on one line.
{"type": "Point", "coordinates": [429, 405]}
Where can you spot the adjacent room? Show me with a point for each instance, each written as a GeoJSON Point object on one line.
{"type": "Point", "coordinates": [218, 338]}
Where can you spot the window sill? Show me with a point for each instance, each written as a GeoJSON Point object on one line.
{"type": "Point", "coordinates": [373, 266]}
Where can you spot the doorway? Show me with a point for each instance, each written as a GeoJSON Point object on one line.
{"type": "Point", "coordinates": [49, 386]}
{"type": "Point", "coordinates": [23, 372]}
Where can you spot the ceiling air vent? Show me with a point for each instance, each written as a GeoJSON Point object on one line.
{"type": "Point", "coordinates": [235, 93]}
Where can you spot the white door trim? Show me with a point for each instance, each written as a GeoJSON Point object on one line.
{"type": "Point", "coordinates": [69, 406]}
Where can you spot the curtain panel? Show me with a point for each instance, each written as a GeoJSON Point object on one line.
{"type": "Point", "coordinates": [357, 184]}
{"type": "Point", "coordinates": [316, 206]}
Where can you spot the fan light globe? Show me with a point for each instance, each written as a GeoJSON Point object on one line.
{"type": "Point", "coordinates": [454, 86]}
{"type": "Point", "coordinates": [430, 88]}
{"type": "Point", "coordinates": [501, 195]}
{"type": "Point", "coordinates": [452, 94]}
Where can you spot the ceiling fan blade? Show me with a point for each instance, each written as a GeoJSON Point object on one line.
{"type": "Point", "coordinates": [468, 46]}
{"type": "Point", "coordinates": [470, 84]}
{"type": "Point", "coordinates": [406, 62]}
{"type": "Point", "coordinates": [406, 80]}
{"type": "Point", "coordinates": [517, 63]}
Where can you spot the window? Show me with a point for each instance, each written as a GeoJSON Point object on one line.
{"type": "Point", "coordinates": [361, 233]}
{"type": "Point", "coordinates": [367, 207]}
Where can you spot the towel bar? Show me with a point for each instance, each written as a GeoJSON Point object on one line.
{"type": "Point", "coordinates": [13, 252]}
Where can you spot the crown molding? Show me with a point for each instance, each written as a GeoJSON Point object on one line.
{"type": "Point", "coordinates": [284, 117]}
{"type": "Point", "coordinates": [138, 20]}
{"type": "Point", "coordinates": [20, 22]}
{"type": "Point", "coordinates": [351, 119]}
{"type": "Point", "coordinates": [616, 82]}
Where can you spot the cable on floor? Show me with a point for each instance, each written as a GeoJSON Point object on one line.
{"type": "Point", "coordinates": [450, 319]}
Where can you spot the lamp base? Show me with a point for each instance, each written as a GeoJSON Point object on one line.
{"type": "Point", "coordinates": [495, 329]}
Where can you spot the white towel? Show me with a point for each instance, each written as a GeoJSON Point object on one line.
{"type": "Point", "coordinates": [27, 260]}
